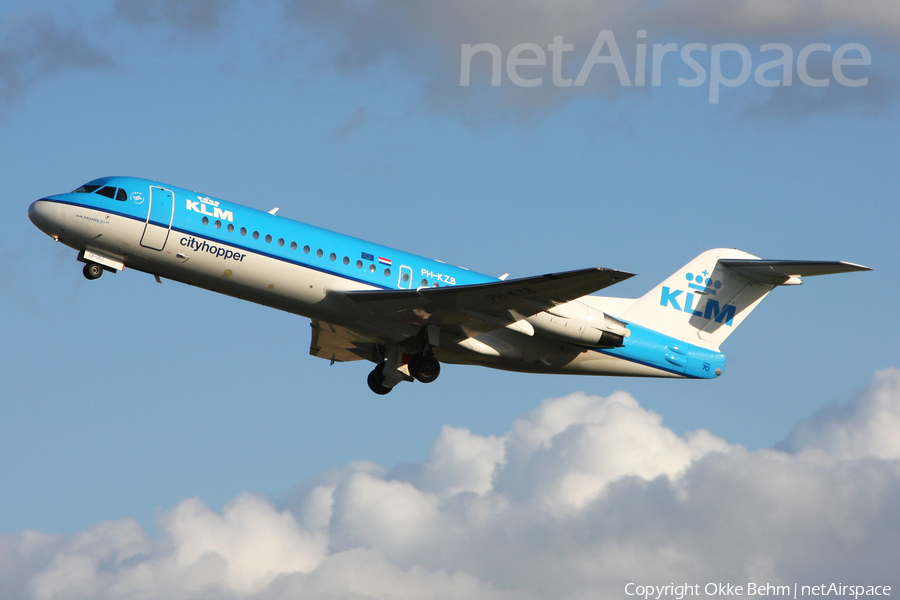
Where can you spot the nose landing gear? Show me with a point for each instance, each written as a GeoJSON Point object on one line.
{"type": "Point", "coordinates": [95, 263]}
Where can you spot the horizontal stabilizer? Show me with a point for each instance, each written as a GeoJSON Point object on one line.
{"type": "Point", "coordinates": [787, 272]}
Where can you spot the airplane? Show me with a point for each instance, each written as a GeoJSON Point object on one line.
{"type": "Point", "coordinates": [408, 314]}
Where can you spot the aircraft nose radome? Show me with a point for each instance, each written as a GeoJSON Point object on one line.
{"type": "Point", "coordinates": [48, 216]}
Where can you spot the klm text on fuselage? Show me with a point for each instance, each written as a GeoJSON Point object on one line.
{"type": "Point", "coordinates": [201, 205]}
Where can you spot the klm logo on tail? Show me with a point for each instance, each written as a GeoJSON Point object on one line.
{"type": "Point", "coordinates": [703, 283]}
{"type": "Point", "coordinates": [691, 304]}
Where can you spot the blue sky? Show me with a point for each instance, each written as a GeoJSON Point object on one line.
{"type": "Point", "coordinates": [123, 397]}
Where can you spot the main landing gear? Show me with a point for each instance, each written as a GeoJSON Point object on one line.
{"type": "Point", "coordinates": [422, 367]}
{"type": "Point", "coordinates": [394, 367]}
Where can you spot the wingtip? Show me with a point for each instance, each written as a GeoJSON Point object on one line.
{"type": "Point", "coordinates": [857, 267]}
{"type": "Point", "coordinates": [618, 275]}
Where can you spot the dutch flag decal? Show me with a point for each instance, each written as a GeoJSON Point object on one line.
{"type": "Point", "coordinates": [384, 261]}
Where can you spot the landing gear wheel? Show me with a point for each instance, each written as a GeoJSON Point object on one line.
{"type": "Point", "coordinates": [376, 381]}
{"type": "Point", "coordinates": [92, 271]}
{"type": "Point", "coordinates": [424, 367]}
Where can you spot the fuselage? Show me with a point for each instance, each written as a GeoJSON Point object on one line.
{"type": "Point", "coordinates": [177, 234]}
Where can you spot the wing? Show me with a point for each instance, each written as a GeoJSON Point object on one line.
{"type": "Point", "coordinates": [336, 343]}
{"type": "Point", "coordinates": [482, 307]}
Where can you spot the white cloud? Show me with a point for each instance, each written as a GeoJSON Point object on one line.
{"type": "Point", "coordinates": [200, 552]}
{"type": "Point", "coordinates": [461, 461]}
{"type": "Point", "coordinates": [253, 541]}
{"type": "Point", "coordinates": [582, 496]}
{"type": "Point", "coordinates": [867, 426]}
{"type": "Point", "coordinates": [578, 446]}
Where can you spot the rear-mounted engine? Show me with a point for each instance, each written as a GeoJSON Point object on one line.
{"type": "Point", "coordinates": [581, 324]}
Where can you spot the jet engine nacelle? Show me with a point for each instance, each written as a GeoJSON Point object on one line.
{"type": "Point", "coordinates": [578, 323]}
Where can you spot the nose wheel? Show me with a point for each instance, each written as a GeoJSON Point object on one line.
{"type": "Point", "coordinates": [424, 367]}
{"type": "Point", "coordinates": [92, 271]}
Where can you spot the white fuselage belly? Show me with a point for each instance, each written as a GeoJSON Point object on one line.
{"type": "Point", "coordinates": [303, 291]}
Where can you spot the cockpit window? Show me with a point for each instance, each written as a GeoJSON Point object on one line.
{"type": "Point", "coordinates": [109, 192]}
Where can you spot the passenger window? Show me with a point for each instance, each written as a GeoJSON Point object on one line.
{"type": "Point", "coordinates": [305, 249]}
{"type": "Point", "coordinates": [319, 253]}
{"type": "Point", "coordinates": [205, 220]}
{"type": "Point", "coordinates": [121, 195]}
{"type": "Point", "coordinates": [405, 277]}
{"type": "Point", "coordinates": [333, 257]}
{"type": "Point", "coordinates": [387, 272]}
{"type": "Point", "coordinates": [218, 224]}
{"type": "Point", "coordinates": [293, 245]}
{"type": "Point", "coordinates": [243, 231]}
{"type": "Point", "coordinates": [346, 260]}
{"type": "Point", "coordinates": [230, 228]}
{"type": "Point", "coordinates": [281, 241]}
{"type": "Point", "coordinates": [359, 264]}
{"type": "Point", "coordinates": [371, 268]}
{"type": "Point", "coordinates": [268, 239]}
{"type": "Point", "coordinates": [424, 283]}
{"type": "Point", "coordinates": [255, 235]}
{"type": "Point", "coordinates": [109, 192]}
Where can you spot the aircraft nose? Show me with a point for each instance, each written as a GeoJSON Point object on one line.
{"type": "Point", "coordinates": [48, 216]}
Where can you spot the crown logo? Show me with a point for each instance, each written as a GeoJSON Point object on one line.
{"type": "Point", "coordinates": [702, 283]}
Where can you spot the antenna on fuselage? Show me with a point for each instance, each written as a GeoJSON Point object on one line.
{"type": "Point", "coordinates": [273, 211]}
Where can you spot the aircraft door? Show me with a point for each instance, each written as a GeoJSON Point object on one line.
{"type": "Point", "coordinates": [159, 218]}
{"type": "Point", "coordinates": [406, 276]}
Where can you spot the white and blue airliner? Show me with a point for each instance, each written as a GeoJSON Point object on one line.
{"type": "Point", "coordinates": [408, 314]}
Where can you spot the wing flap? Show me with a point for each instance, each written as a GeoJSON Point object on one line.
{"type": "Point", "coordinates": [336, 343]}
{"type": "Point", "coordinates": [503, 301]}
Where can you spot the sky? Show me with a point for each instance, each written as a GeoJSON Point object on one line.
{"type": "Point", "coordinates": [163, 441]}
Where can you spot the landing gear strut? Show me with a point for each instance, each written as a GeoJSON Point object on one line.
{"type": "Point", "coordinates": [92, 271]}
